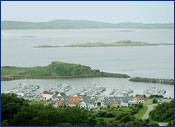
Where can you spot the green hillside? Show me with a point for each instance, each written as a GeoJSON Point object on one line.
{"type": "Point", "coordinates": [53, 70]}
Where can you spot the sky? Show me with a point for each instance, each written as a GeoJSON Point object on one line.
{"type": "Point", "coordinates": [111, 11]}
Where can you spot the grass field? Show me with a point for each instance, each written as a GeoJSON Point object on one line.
{"type": "Point", "coordinates": [140, 114]}
{"type": "Point", "coordinates": [37, 101]}
{"type": "Point", "coordinates": [148, 101]}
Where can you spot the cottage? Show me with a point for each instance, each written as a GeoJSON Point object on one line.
{"type": "Point", "coordinates": [59, 103]}
{"type": "Point", "coordinates": [91, 106]}
{"type": "Point", "coordinates": [82, 104]}
{"type": "Point", "coordinates": [53, 102]}
{"type": "Point", "coordinates": [89, 102]}
{"type": "Point", "coordinates": [115, 104]}
{"type": "Point", "coordinates": [123, 104]}
{"type": "Point", "coordinates": [74, 101]}
{"type": "Point", "coordinates": [47, 95]}
{"type": "Point", "coordinates": [107, 103]}
{"type": "Point", "coordinates": [139, 99]}
{"type": "Point", "coordinates": [100, 102]}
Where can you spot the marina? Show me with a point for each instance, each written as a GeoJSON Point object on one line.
{"type": "Point", "coordinates": [91, 87]}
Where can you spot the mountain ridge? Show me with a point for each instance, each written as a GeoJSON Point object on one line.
{"type": "Point", "coordinates": [80, 24]}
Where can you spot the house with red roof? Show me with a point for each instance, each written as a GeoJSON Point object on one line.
{"type": "Point", "coordinates": [74, 101]}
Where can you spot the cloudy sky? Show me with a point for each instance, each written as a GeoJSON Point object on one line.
{"type": "Point", "coordinates": [114, 12]}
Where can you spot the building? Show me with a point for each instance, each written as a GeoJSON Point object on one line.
{"type": "Point", "coordinates": [139, 99]}
{"type": "Point", "coordinates": [47, 95]}
{"type": "Point", "coordinates": [99, 103]}
{"type": "Point", "coordinates": [59, 103]}
{"type": "Point", "coordinates": [115, 104]}
{"type": "Point", "coordinates": [82, 104]}
{"type": "Point", "coordinates": [74, 101]}
{"type": "Point", "coordinates": [123, 104]}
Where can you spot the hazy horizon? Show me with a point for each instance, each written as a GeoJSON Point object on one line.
{"type": "Point", "coordinates": [101, 11]}
{"type": "Point", "coordinates": [86, 20]}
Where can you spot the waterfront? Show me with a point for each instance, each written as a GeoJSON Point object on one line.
{"type": "Point", "coordinates": [77, 85]}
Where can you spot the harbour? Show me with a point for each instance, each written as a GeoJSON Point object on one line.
{"type": "Point", "coordinates": [77, 85]}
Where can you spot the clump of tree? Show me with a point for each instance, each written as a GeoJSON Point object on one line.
{"type": "Point", "coordinates": [18, 112]}
{"type": "Point", "coordinates": [163, 113]}
{"type": "Point", "coordinates": [125, 119]}
{"type": "Point", "coordinates": [156, 96]}
{"type": "Point", "coordinates": [171, 123]}
{"type": "Point", "coordinates": [154, 101]}
{"type": "Point", "coordinates": [136, 108]}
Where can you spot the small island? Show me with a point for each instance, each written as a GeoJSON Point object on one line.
{"type": "Point", "coordinates": [152, 80]}
{"type": "Point", "coordinates": [125, 31]}
{"type": "Point", "coordinates": [118, 43]}
{"type": "Point", "coordinates": [54, 70]}
{"type": "Point", "coordinates": [28, 36]}
{"type": "Point", "coordinates": [102, 44]}
{"type": "Point", "coordinates": [46, 46]}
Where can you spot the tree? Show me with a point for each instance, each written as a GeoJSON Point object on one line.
{"type": "Point", "coordinates": [92, 121]}
{"type": "Point", "coordinates": [171, 123]}
{"type": "Point", "coordinates": [99, 103]}
{"type": "Point", "coordinates": [10, 105]}
{"type": "Point", "coordinates": [5, 123]}
{"type": "Point", "coordinates": [154, 101]}
{"type": "Point", "coordinates": [163, 113]}
{"type": "Point", "coordinates": [109, 115]}
{"type": "Point", "coordinates": [101, 114]}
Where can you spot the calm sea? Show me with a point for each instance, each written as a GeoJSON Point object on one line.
{"type": "Point", "coordinates": [145, 61]}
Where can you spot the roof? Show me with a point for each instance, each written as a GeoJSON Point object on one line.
{"type": "Point", "coordinates": [73, 102]}
{"type": "Point", "coordinates": [136, 97]}
{"type": "Point", "coordinates": [47, 92]}
{"type": "Point", "coordinates": [59, 102]}
{"type": "Point", "coordinates": [75, 98]}
{"type": "Point", "coordinates": [139, 97]}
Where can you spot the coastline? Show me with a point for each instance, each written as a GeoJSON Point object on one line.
{"type": "Point", "coordinates": [60, 70]}
{"type": "Point", "coordinates": [10, 78]}
{"type": "Point", "coordinates": [130, 79]}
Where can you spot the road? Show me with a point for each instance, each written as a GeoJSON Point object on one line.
{"type": "Point", "coordinates": [163, 124]}
{"type": "Point", "coordinates": [150, 108]}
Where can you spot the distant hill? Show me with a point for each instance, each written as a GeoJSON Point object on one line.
{"type": "Point", "coordinates": [78, 24]}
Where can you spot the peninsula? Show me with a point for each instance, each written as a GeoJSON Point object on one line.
{"type": "Point", "coordinates": [54, 70]}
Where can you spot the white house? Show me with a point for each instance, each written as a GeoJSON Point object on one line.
{"type": "Point", "coordinates": [100, 102]}
{"type": "Point", "coordinates": [123, 104]}
{"type": "Point", "coordinates": [47, 95]}
{"type": "Point", "coordinates": [82, 104]}
{"type": "Point", "coordinates": [91, 106]}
